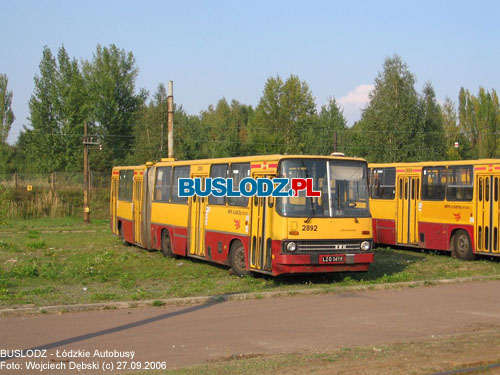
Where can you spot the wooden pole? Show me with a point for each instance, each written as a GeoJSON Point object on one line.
{"type": "Point", "coordinates": [170, 104]}
{"type": "Point", "coordinates": [86, 179]}
{"type": "Point", "coordinates": [53, 181]}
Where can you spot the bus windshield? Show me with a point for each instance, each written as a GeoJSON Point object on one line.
{"type": "Point", "coordinates": [343, 186]}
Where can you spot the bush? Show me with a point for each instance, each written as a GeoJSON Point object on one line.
{"type": "Point", "coordinates": [4, 205]}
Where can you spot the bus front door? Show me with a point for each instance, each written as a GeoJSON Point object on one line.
{"type": "Point", "coordinates": [114, 201]}
{"type": "Point", "coordinates": [260, 241]}
{"type": "Point", "coordinates": [488, 214]}
{"type": "Point", "coordinates": [137, 196]}
{"type": "Point", "coordinates": [407, 221]}
{"type": "Point", "coordinates": [197, 223]}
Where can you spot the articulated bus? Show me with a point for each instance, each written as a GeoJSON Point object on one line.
{"type": "Point", "coordinates": [451, 206]}
{"type": "Point", "coordinates": [272, 235]}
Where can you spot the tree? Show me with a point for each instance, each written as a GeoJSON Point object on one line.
{"type": "Point", "coordinates": [479, 120]}
{"type": "Point", "coordinates": [58, 109]}
{"type": "Point", "coordinates": [189, 136]}
{"type": "Point", "coordinates": [454, 134]}
{"type": "Point", "coordinates": [283, 118]}
{"type": "Point", "coordinates": [42, 141]}
{"type": "Point", "coordinates": [6, 114]}
{"type": "Point", "coordinates": [433, 133]}
{"type": "Point", "coordinates": [110, 79]}
{"type": "Point", "coordinates": [150, 131]}
{"type": "Point", "coordinates": [331, 120]}
{"type": "Point", "coordinates": [224, 129]}
{"type": "Point", "coordinates": [392, 125]}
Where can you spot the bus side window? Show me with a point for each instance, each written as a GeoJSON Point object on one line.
{"type": "Point", "coordinates": [480, 188]}
{"type": "Point", "coordinates": [238, 173]}
{"type": "Point", "coordinates": [383, 183]}
{"type": "Point", "coordinates": [434, 183]}
{"type": "Point", "coordinates": [459, 186]}
{"type": "Point", "coordinates": [179, 172]}
{"type": "Point", "coordinates": [496, 189]}
{"type": "Point", "coordinates": [218, 170]}
{"type": "Point", "coordinates": [163, 184]}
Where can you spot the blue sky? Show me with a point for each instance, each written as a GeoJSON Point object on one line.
{"type": "Point", "coordinates": [214, 49]}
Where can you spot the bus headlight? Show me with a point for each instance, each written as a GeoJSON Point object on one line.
{"type": "Point", "coordinates": [365, 245]}
{"type": "Point", "coordinates": [291, 246]}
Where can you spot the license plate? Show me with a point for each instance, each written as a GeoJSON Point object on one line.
{"type": "Point", "coordinates": [328, 259]}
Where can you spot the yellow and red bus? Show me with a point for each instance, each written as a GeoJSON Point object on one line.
{"type": "Point", "coordinates": [441, 205]}
{"type": "Point", "coordinates": [294, 234]}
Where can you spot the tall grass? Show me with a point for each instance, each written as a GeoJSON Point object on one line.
{"type": "Point", "coordinates": [52, 198]}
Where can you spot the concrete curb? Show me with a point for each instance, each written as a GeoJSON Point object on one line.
{"type": "Point", "coordinates": [22, 311]}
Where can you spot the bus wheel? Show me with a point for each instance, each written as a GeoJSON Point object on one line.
{"type": "Point", "coordinates": [462, 247]}
{"type": "Point", "coordinates": [166, 246]}
{"type": "Point", "coordinates": [237, 259]}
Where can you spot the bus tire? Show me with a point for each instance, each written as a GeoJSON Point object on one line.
{"type": "Point", "coordinates": [166, 244]}
{"type": "Point", "coordinates": [237, 259]}
{"type": "Point", "coordinates": [462, 247]}
{"type": "Point", "coordinates": [122, 237]}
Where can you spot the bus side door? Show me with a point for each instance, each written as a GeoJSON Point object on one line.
{"type": "Point", "coordinates": [197, 223]}
{"type": "Point", "coordinates": [138, 199]}
{"type": "Point", "coordinates": [408, 196]}
{"type": "Point", "coordinates": [488, 213]}
{"type": "Point", "coordinates": [113, 203]}
{"type": "Point", "coordinates": [260, 231]}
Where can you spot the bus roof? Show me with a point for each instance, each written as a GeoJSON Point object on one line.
{"type": "Point", "coordinates": [266, 158]}
{"type": "Point", "coordinates": [437, 163]}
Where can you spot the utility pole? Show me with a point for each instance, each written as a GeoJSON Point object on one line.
{"type": "Point", "coordinates": [87, 141]}
{"type": "Point", "coordinates": [86, 179]}
{"type": "Point", "coordinates": [170, 104]}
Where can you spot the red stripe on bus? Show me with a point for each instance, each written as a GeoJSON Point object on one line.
{"type": "Point", "coordinates": [400, 170]}
{"type": "Point", "coordinates": [116, 172]}
{"type": "Point", "coordinates": [480, 168]}
{"type": "Point", "coordinates": [497, 168]}
{"type": "Point", "coordinates": [417, 170]}
{"type": "Point", "coordinates": [255, 166]}
{"type": "Point", "coordinates": [273, 165]}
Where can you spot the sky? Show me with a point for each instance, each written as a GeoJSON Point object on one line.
{"type": "Point", "coordinates": [215, 49]}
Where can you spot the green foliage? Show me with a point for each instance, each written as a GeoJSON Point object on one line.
{"type": "Point", "coordinates": [433, 136]}
{"type": "Point", "coordinates": [4, 205]}
{"type": "Point", "coordinates": [399, 124]}
{"type": "Point", "coordinates": [114, 105]}
{"type": "Point", "coordinates": [392, 123]}
{"type": "Point", "coordinates": [224, 129]}
{"type": "Point", "coordinates": [285, 119]}
{"type": "Point", "coordinates": [331, 120]}
{"type": "Point", "coordinates": [453, 133]}
{"type": "Point", "coordinates": [58, 109]}
{"type": "Point", "coordinates": [6, 114]}
{"type": "Point", "coordinates": [479, 121]}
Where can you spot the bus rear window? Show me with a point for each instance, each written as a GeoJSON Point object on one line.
{"type": "Point", "coordinates": [125, 185]}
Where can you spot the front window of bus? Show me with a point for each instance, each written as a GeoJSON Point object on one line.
{"type": "Point", "coordinates": [343, 186]}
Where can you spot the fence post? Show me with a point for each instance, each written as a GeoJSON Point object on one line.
{"type": "Point", "coordinates": [53, 182]}
{"type": "Point", "coordinates": [15, 182]}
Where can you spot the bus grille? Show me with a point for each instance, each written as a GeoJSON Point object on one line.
{"type": "Point", "coordinates": [328, 246]}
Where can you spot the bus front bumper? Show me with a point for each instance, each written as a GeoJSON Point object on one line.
{"type": "Point", "coordinates": [324, 262]}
